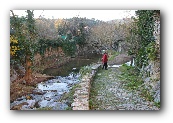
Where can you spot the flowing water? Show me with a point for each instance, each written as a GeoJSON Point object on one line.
{"type": "Point", "coordinates": [48, 94]}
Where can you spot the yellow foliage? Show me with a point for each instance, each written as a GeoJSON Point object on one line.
{"type": "Point", "coordinates": [13, 49]}
{"type": "Point", "coordinates": [58, 23]}
{"type": "Point", "coordinates": [13, 40]}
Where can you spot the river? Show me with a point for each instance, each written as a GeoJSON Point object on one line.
{"type": "Point", "coordinates": [48, 94]}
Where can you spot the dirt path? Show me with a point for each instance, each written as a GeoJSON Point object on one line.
{"type": "Point", "coordinates": [120, 59]}
{"type": "Point", "coordinates": [108, 93]}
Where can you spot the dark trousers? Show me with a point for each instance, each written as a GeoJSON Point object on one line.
{"type": "Point", "coordinates": [105, 66]}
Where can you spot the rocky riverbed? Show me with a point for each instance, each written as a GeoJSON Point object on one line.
{"type": "Point", "coordinates": [47, 95]}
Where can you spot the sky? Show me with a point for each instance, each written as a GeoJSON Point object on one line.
{"type": "Point", "coordinates": [104, 15]}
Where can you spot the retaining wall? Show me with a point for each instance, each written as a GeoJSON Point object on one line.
{"type": "Point", "coordinates": [82, 93]}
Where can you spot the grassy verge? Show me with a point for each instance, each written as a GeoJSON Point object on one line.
{"type": "Point", "coordinates": [69, 96]}
{"type": "Point", "coordinates": [157, 104]}
{"type": "Point", "coordinates": [98, 90]}
{"type": "Point", "coordinates": [85, 70]}
{"type": "Point", "coordinates": [133, 81]}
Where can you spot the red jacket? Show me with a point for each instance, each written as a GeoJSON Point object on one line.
{"type": "Point", "coordinates": [105, 58]}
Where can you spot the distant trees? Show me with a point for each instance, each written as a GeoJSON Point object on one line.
{"type": "Point", "coordinates": [106, 34]}
{"type": "Point", "coordinates": [68, 32]}
{"type": "Point", "coordinates": [46, 28]}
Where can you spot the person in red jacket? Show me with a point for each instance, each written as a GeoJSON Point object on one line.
{"type": "Point", "coordinates": [105, 60]}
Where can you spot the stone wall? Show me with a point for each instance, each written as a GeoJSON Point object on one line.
{"type": "Point", "coordinates": [81, 95]}
{"type": "Point", "coordinates": [151, 73]}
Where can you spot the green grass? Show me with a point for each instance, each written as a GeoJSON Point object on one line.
{"type": "Point", "coordinates": [99, 89]}
{"type": "Point", "coordinates": [157, 104]}
{"type": "Point", "coordinates": [133, 81]}
{"type": "Point", "coordinates": [130, 76]}
{"type": "Point", "coordinates": [84, 70]}
{"type": "Point", "coordinates": [146, 94]}
{"type": "Point", "coordinates": [45, 108]}
{"type": "Point", "coordinates": [69, 96]}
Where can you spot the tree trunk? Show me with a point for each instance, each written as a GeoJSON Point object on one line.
{"type": "Point", "coordinates": [28, 73]}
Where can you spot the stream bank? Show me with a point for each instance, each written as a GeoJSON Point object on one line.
{"type": "Point", "coordinates": [47, 94]}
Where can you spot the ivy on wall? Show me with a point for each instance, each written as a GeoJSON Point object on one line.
{"type": "Point", "coordinates": [143, 39]}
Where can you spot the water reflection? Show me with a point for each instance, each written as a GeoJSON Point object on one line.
{"type": "Point", "coordinates": [73, 65]}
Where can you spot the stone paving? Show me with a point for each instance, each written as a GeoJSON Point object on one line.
{"type": "Point", "coordinates": [108, 93]}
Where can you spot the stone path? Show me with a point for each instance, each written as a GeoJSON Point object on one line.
{"type": "Point", "coordinates": [108, 93]}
